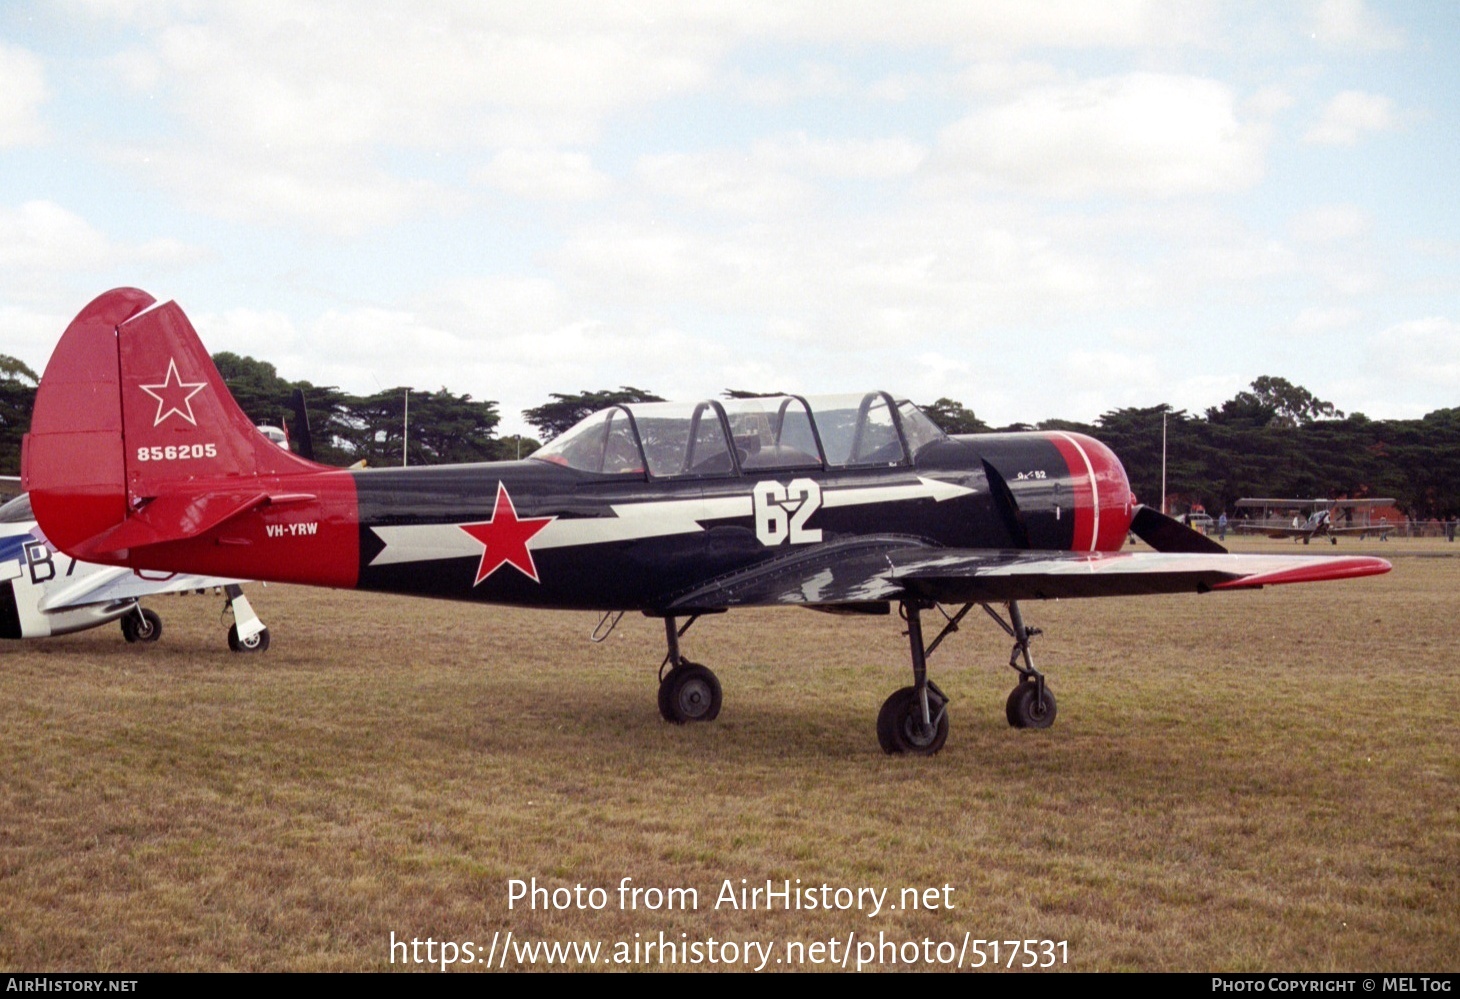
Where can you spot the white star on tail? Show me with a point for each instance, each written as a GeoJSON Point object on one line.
{"type": "Point", "coordinates": [171, 387]}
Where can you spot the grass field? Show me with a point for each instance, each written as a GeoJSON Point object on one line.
{"type": "Point", "coordinates": [1240, 781]}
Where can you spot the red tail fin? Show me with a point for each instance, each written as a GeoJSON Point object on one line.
{"type": "Point", "coordinates": [179, 421]}
{"type": "Point", "coordinates": [135, 439]}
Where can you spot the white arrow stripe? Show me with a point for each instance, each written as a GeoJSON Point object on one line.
{"type": "Point", "coordinates": [632, 522]}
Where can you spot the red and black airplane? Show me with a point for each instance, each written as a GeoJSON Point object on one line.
{"type": "Point", "coordinates": [138, 456]}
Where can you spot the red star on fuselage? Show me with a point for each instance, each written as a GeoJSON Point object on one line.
{"type": "Point", "coordinates": [504, 538]}
{"type": "Point", "coordinates": [174, 395]}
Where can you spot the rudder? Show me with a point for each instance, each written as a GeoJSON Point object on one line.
{"type": "Point", "coordinates": [131, 407]}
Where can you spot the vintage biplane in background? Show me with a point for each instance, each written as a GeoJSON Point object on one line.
{"type": "Point", "coordinates": [138, 457]}
{"type": "Point", "coordinates": [1306, 519]}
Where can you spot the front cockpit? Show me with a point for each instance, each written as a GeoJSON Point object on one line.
{"type": "Point", "coordinates": [719, 439]}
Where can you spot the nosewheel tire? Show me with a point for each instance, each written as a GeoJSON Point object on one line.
{"type": "Point", "coordinates": [689, 693]}
{"type": "Point", "coordinates": [1025, 710]}
{"type": "Point", "coordinates": [900, 725]}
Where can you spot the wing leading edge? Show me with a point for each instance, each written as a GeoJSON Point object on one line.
{"type": "Point", "coordinates": [894, 569]}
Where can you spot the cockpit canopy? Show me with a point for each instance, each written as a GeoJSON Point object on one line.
{"type": "Point", "coordinates": [717, 438]}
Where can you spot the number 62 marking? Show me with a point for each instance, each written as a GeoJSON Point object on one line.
{"type": "Point", "coordinates": [781, 512]}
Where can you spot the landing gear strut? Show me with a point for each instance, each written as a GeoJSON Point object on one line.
{"type": "Point", "coordinates": [688, 692]}
{"type": "Point", "coordinates": [915, 719]}
{"type": "Point", "coordinates": [247, 633]}
{"type": "Point", "coordinates": [1031, 702]}
{"type": "Point", "coordinates": [141, 625]}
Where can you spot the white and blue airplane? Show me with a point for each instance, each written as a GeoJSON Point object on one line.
{"type": "Point", "coordinates": [46, 592]}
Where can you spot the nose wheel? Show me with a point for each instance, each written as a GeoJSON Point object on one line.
{"type": "Point", "coordinates": [1029, 706]}
{"type": "Point", "coordinates": [1031, 702]}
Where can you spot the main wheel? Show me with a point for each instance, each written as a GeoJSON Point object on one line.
{"type": "Point", "coordinates": [142, 626]}
{"type": "Point", "coordinates": [1024, 709]}
{"type": "Point", "coordinates": [689, 693]}
{"type": "Point", "coordinates": [258, 643]}
{"type": "Point", "coordinates": [900, 726]}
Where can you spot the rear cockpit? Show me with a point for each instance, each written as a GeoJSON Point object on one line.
{"type": "Point", "coordinates": [716, 439]}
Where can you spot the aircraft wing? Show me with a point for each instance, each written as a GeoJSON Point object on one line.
{"type": "Point", "coordinates": [1271, 532]}
{"type": "Point", "coordinates": [116, 583]}
{"type": "Point", "coordinates": [868, 571]}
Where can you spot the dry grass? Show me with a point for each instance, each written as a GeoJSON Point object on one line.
{"type": "Point", "coordinates": [1239, 781]}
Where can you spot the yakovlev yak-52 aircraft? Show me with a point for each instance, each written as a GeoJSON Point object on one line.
{"type": "Point", "coordinates": [138, 456]}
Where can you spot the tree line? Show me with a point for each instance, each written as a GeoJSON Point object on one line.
{"type": "Point", "coordinates": [1274, 439]}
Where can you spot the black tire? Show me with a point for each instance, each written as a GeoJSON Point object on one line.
{"type": "Point", "coordinates": [900, 726]}
{"type": "Point", "coordinates": [1024, 710]}
{"type": "Point", "coordinates": [689, 693]}
{"type": "Point", "coordinates": [258, 643]}
{"type": "Point", "coordinates": [141, 625]}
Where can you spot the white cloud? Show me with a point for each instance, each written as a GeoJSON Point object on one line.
{"type": "Point", "coordinates": [1349, 115]}
{"type": "Point", "coordinates": [22, 92]}
{"type": "Point", "coordinates": [1350, 24]}
{"type": "Point", "coordinates": [44, 246]}
{"type": "Point", "coordinates": [1269, 101]}
{"type": "Point", "coordinates": [1139, 134]}
{"type": "Point", "coordinates": [775, 175]}
{"type": "Point", "coordinates": [722, 183]}
{"type": "Point", "coordinates": [272, 188]}
{"type": "Point", "coordinates": [866, 159]}
{"type": "Point", "coordinates": [30, 334]}
{"type": "Point", "coordinates": [1424, 351]}
{"type": "Point", "coordinates": [546, 175]}
{"type": "Point", "coordinates": [811, 79]}
{"type": "Point", "coordinates": [1332, 223]}
{"type": "Point", "coordinates": [1324, 320]}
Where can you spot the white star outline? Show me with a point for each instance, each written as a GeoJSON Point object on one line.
{"type": "Point", "coordinates": [174, 378]}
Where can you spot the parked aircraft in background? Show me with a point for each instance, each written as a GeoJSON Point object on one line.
{"type": "Point", "coordinates": [44, 592]}
{"type": "Point", "coordinates": [1324, 518]}
{"type": "Point", "coordinates": [138, 457]}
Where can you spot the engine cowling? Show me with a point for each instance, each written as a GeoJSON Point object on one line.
{"type": "Point", "coordinates": [1068, 491]}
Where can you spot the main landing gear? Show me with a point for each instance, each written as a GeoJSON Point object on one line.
{"type": "Point", "coordinates": [915, 719]}
{"type": "Point", "coordinates": [246, 634]}
{"type": "Point", "coordinates": [688, 692]}
{"type": "Point", "coordinates": [141, 625]}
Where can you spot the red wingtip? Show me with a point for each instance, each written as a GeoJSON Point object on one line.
{"type": "Point", "coordinates": [1347, 567]}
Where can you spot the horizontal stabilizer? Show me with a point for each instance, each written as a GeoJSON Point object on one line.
{"type": "Point", "coordinates": [172, 518]}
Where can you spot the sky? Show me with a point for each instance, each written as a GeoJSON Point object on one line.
{"type": "Point", "coordinates": [1037, 209]}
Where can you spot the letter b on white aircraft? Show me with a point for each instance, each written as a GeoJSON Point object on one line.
{"type": "Point", "coordinates": [781, 512]}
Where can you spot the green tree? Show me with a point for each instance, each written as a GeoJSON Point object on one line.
{"type": "Point", "coordinates": [552, 418]}
{"type": "Point", "coordinates": [445, 428]}
{"type": "Point", "coordinates": [1274, 402]}
{"type": "Point", "coordinates": [954, 418]}
{"type": "Point", "coordinates": [17, 399]}
{"type": "Point", "coordinates": [265, 397]}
